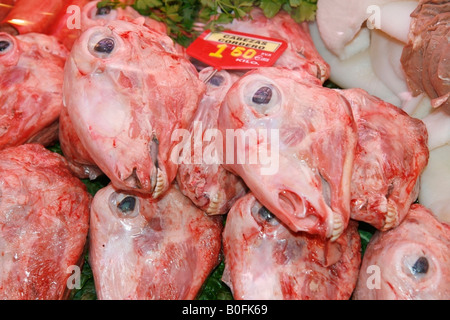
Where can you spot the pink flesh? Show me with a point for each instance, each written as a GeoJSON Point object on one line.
{"type": "Point", "coordinates": [44, 221]}
{"type": "Point", "coordinates": [68, 17]}
{"type": "Point", "coordinates": [29, 101]}
{"type": "Point", "coordinates": [317, 142]}
{"type": "Point", "coordinates": [164, 250]}
{"type": "Point", "coordinates": [264, 260]}
{"type": "Point", "coordinates": [396, 251]}
{"type": "Point", "coordinates": [6, 8]}
{"type": "Point", "coordinates": [89, 17]}
{"type": "Point", "coordinates": [120, 104]}
{"type": "Point", "coordinates": [32, 16]}
{"type": "Point", "coordinates": [301, 53]}
{"type": "Point", "coordinates": [79, 160]}
{"type": "Point", "coordinates": [391, 154]}
{"type": "Point", "coordinates": [200, 181]}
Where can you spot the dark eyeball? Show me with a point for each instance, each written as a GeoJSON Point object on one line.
{"type": "Point", "coordinates": [5, 46]}
{"type": "Point", "coordinates": [105, 45]}
{"type": "Point", "coordinates": [124, 205]}
{"type": "Point", "coordinates": [420, 266]}
{"type": "Point", "coordinates": [217, 80]}
{"type": "Point", "coordinates": [263, 95]}
{"type": "Point", "coordinates": [127, 204]}
{"type": "Point", "coordinates": [262, 215]}
{"type": "Point", "coordinates": [103, 11]}
{"type": "Point", "coordinates": [102, 44]}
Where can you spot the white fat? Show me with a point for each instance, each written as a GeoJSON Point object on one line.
{"type": "Point", "coordinates": [438, 127]}
{"type": "Point", "coordinates": [360, 43]}
{"type": "Point", "coordinates": [368, 62]}
{"type": "Point", "coordinates": [435, 184]}
{"type": "Point", "coordinates": [395, 19]}
{"type": "Point", "coordinates": [340, 20]}
{"type": "Point", "coordinates": [435, 180]}
{"type": "Point", "coordinates": [417, 107]}
{"type": "Point", "coordinates": [355, 72]}
{"type": "Point", "coordinates": [385, 54]}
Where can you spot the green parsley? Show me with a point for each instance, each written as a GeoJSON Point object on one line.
{"type": "Point", "coordinates": [180, 15]}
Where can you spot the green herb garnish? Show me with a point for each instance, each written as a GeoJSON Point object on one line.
{"type": "Point", "coordinates": [180, 16]}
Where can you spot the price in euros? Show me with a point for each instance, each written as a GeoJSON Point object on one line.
{"type": "Point", "coordinates": [236, 52]}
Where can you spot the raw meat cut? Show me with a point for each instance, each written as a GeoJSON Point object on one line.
{"type": "Point", "coordinates": [294, 148]}
{"type": "Point", "coordinates": [67, 26]}
{"type": "Point", "coordinates": [92, 16]}
{"type": "Point", "coordinates": [5, 7]}
{"type": "Point", "coordinates": [32, 16]}
{"type": "Point", "coordinates": [145, 249]}
{"type": "Point", "coordinates": [30, 102]}
{"type": "Point", "coordinates": [79, 160]}
{"type": "Point", "coordinates": [126, 90]}
{"type": "Point", "coordinates": [264, 260]}
{"type": "Point", "coordinates": [44, 221]}
{"type": "Point", "coordinates": [210, 187]}
{"type": "Point", "coordinates": [391, 154]}
{"type": "Point", "coordinates": [426, 57]}
{"type": "Point", "coordinates": [411, 261]}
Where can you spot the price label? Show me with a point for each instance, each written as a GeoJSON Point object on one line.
{"type": "Point", "coordinates": [236, 50]}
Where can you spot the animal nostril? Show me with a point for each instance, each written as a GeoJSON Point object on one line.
{"type": "Point", "coordinates": [133, 181]}
{"type": "Point", "coordinates": [291, 203]}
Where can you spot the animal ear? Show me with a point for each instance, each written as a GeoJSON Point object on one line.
{"type": "Point", "coordinates": [139, 21]}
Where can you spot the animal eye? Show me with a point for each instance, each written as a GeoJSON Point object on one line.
{"type": "Point", "coordinates": [125, 206]}
{"type": "Point", "coordinates": [262, 96]}
{"type": "Point", "coordinates": [102, 44]}
{"type": "Point", "coordinates": [420, 266]}
{"type": "Point", "coordinates": [5, 46]}
{"type": "Point", "coordinates": [103, 11]}
{"type": "Point", "coordinates": [105, 45]}
{"type": "Point", "coordinates": [216, 80]}
{"type": "Point", "coordinates": [263, 216]}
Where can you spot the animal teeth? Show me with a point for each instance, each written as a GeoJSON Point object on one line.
{"type": "Point", "coordinates": [160, 184]}
{"type": "Point", "coordinates": [391, 218]}
{"type": "Point", "coordinates": [338, 227]}
{"type": "Point", "coordinates": [214, 204]}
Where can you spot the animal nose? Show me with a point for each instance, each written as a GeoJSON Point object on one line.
{"type": "Point", "coordinates": [132, 181]}
{"type": "Point", "coordinates": [298, 209]}
{"type": "Point", "coordinates": [291, 203]}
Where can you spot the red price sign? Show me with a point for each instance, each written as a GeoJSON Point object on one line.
{"type": "Point", "coordinates": [236, 50]}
